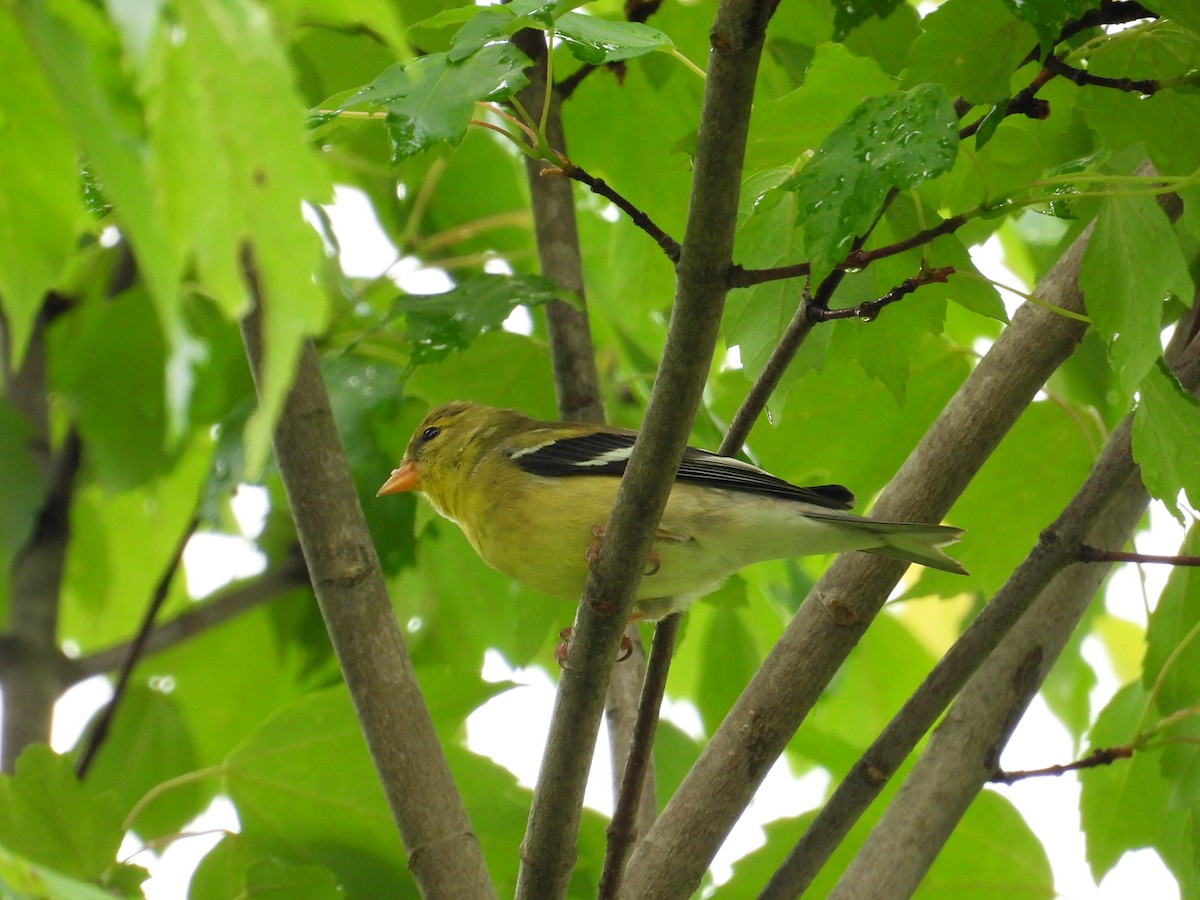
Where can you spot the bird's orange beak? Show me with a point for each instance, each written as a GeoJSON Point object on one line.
{"type": "Point", "coordinates": [405, 478]}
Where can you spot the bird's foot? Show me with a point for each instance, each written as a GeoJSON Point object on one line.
{"type": "Point", "coordinates": [592, 553]}
{"type": "Point", "coordinates": [625, 648]}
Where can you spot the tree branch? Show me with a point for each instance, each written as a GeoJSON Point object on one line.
{"type": "Point", "coordinates": [444, 855]}
{"type": "Point", "coordinates": [868, 310]}
{"type": "Point", "coordinates": [976, 731]}
{"type": "Point", "coordinates": [677, 851]}
{"type": "Point", "coordinates": [736, 40]}
{"type": "Point", "coordinates": [963, 753]}
{"type": "Point", "coordinates": [599, 186]}
{"type": "Point", "coordinates": [576, 384]}
{"type": "Point", "coordinates": [1104, 756]}
{"type": "Point", "coordinates": [1083, 78]}
{"type": "Point", "coordinates": [33, 676]}
{"type": "Point", "coordinates": [1093, 554]}
{"type": "Point", "coordinates": [1056, 549]}
{"type": "Point", "coordinates": [855, 259]}
{"type": "Point", "coordinates": [99, 731]}
{"type": "Point", "coordinates": [627, 825]}
{"type": "Point", "coordinates": [226, 604]}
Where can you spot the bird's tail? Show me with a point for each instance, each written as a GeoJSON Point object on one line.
{"type": "Point", "coordinates": [908, 541]}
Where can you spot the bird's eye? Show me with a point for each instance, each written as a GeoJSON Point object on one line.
{"type": "Point", "coordinates": [430, 433]}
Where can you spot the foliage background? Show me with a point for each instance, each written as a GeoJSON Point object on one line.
{"type": "Point", "coordinates": [149, 151]}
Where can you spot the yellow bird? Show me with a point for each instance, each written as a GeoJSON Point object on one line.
{"type": "Point", "coordinates": [532, 497]}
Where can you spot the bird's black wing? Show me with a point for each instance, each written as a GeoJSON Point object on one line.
{"type": "Point", "coordinates": [607, 453]}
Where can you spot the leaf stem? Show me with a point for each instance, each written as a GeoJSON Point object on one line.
{"type": "Point", "coordinates": [163, 787]}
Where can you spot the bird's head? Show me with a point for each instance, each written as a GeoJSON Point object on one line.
{"type": "Point", "coordinates": [445, 449]}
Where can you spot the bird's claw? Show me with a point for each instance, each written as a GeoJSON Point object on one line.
{"type": "Point", "coordinates": [592, 553]}
{"type": "Point", "coordinates": [563, 648]}
{"type": "Point", "coordinates": [625, 648]}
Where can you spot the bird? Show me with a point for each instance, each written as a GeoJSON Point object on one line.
{"type": "Point", "coordinates": [532, 498]}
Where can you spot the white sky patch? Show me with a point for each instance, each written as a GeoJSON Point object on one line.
{"type": "Point", "coordinates": [211, 561]}
{"type": "Point", "coordinates": [365, 249]}
{"type": "Point", "coordinates": [251, 504]}
{"type": "Point", "coordinates": [1050, 807]}
{"type": "Point", "coordinates": [511, 730]}
{"type": "Point", "coordinates": [519, 321]}
{"type": "Point", "coordinates": [732, 360]}
{"type": "Point", "coordinates": [171, 871]}
{"type": "Point", "coordinates": [988, 258]}
{"type": "Point", "coordinates": [1127, 593]}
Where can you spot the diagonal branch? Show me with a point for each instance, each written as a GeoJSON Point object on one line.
{"type": "Point", "coordinates": [577, 387]}
{"type": "Point", "coordinates": [226, 604]}
{"type": "Point", "coordinates": [134, 650]}
{"type": "Point", "coordinates": [839, 608]}
{"type": "Point", "coordinates": [443, 852]}
{"type": "Point", "coordinates": [736, 40]}
{"type": "Point", "coordinates": [963, 754]}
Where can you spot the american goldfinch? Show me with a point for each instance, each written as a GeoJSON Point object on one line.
{"type": "Point", "coordinates": [532, 498]}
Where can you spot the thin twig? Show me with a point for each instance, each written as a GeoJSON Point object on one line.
{"type": "Point", "coordinates": [622, 831]}
{"type": "Point", "coordinates": [868, 310]}
{"type": "Point", "coordinates": [599, 186]}
{"type": "Point", "coordinates": [1024, 103]}
{"type": "Point", "coordinates": [1119, 12]}
{"type": "Point", "coordinates": [1095, 554]}
{"type": "Point", "coordinates": [1082, 77]}
{"type": "Point", "coordinates": [1102, 757]}
{"type": "Point", "coordinates": [855, 259]}
{"type": "Point", "coordinates": [104, 721]}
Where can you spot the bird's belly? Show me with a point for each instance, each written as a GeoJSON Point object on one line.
{"type": "Point", "coordinates": [554, 561]}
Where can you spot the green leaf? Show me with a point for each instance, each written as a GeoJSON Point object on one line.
{"type": "Point", "coordinates": [1048, 16]}
{"type": "Point", "coordinates": [730, 659]}
{"type": "Point", "coordinates": [26, 880]}
{"type": "Point", "coordinates": [1166, 427]}
{"type": "Point", "coordinates": [222, 704]}
{"type": "Point", "coordinates": [1132, 264]}
{"type": "Point", "coordinates": [897, 141]}
{"type": "Point", "coordinates": [432, 99]}
{"type": "Point", "coordinates": [1166, 124]}
{"type": "Point", "coordinates": [49, 817]}
{"type": "Point", "coordinates": [234, 869]}
{"type": "Point", "coordinates": [1122, 806]}
{"type": "Point", "coordinates": [503, 369]}
{"type": "Point", "coordinates": [382, 20]}
{"type": "Point", "coordinates": [876, 679]}
{"type": "Point", "coordinates": [848, 16]}
{"type": "Point", "coordinates": [1068, 686]}
{"type": "Point", "coordinates": [456, 607]}
{"type": "Point", "coordinates": [783, 129]}
{"type": "Point", "coordinates": [597, 41]}
{"type": "Point", "coordinates": [816, 442]}
{"type": "Point", "coordinates": [270, 879]}
{"type": "Point", "coordinates": [767, 236]}
{"type": "Point", "coordinates": [994, 851]}
{"type": "Point", "coordinates": [1019, 491]}
{"type": "Point", "coordinates": [971, 47]}
{"type": "Point", "coordinates": [306, 792]}
{"type": "Point", "coordinates": [1183, 12]}
{"type": "Point", "coordinates": [108, 362]}
{"type": "Point", "coordinates": [147, 744]}
{"type": "Point", "coordinates": [436, 324]}
{"type": "Point", "coordinates": [1172, 649]}
{"type": "Point", "coordinates": [234, 169]}
{"type": "Point", "coordinates": [79, 54]}
{"type": "Point", "coordinates": [40, 189]}
{"type": "Point", "coordinates": [885, 346]}
{"type": "Point", "coordinates": [121, 544]}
